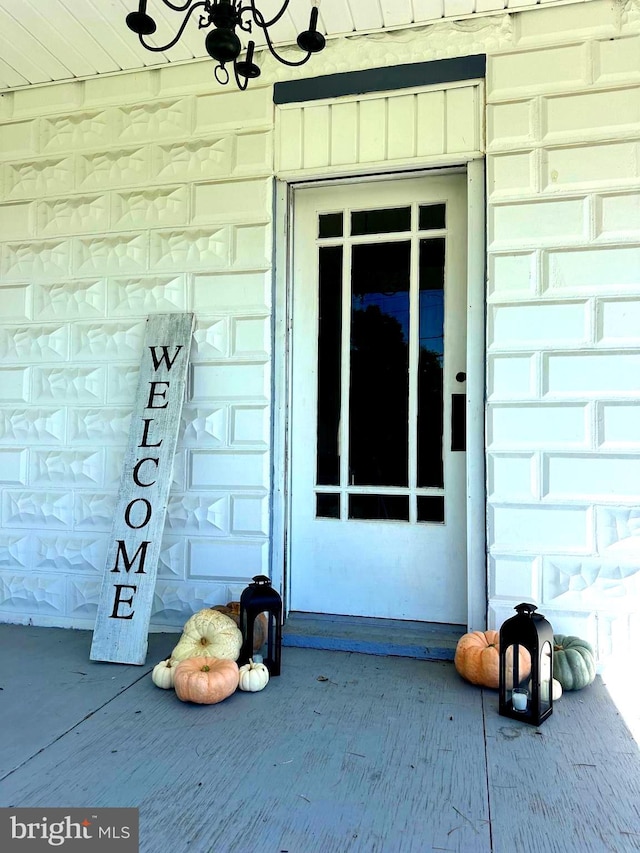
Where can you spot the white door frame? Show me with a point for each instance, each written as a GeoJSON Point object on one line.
{"type": "Point", "coordinates": [476, 366]}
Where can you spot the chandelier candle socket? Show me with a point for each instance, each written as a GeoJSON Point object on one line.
{"type": "Point", "coordinates": [222, 42]}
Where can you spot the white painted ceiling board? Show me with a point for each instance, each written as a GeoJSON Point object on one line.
{"type": "Point", "coordinates": [16, 51]}
{"type": "Point", "coordinates": [367, 16]}
{"type": "Point", "coordinates": [19, 38]}
{"type": "Point", "coordinates": [46, 32]}
{"type": "Point", "coordinates": [490, 5]}
{"type": "Point", "coordinates": [69, 24]}
{"type": "Point", "coordinates": [113, 37]}
{"type": "Point", "coordinates": [9, 77]}
{"type": "Point", "coordinates": [396, 13]}
{"type": "Point", "coordinates": [299, 14]}
{"type": "Point", "coordinates": [336, 16]}
{"type": "Point", "coordinates": [43, 40]}
{"type": "Point", "coordinates": [428, 10]}
{"type": "Point", "coordinates": [456, 8]}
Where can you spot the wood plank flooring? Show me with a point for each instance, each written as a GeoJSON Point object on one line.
{"type": "Point", "coordinates": [343, 753]}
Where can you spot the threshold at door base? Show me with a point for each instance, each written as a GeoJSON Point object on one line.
{"type": "Point", "coordinates": [385, 637]}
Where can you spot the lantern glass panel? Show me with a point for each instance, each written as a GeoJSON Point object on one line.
{"type": "Point", "coordinates": [546, 678]}
{"type": "Point", "coordinates": [260, 634]}
{"type": "Point", "coordinates": [516, 679]}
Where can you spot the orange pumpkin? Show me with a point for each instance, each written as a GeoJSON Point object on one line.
{"type": "Point", "coordinates": [232, 609]}
{"type": "Point", "coordinates": [477, 659]}
{"type": "Point", "coordinates": [206, 681]}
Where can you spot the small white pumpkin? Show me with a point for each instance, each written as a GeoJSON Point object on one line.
{"type": "Point", "coordinates": [163, 673]}
{"type": "Point", "coordinates": [253, 677]}
{"type": "Point", "coordinates": [556, 690]}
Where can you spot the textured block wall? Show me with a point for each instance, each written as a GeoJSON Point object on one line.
{"type": "Point", "coordinates": [563, 334]}
{"type": "Point", "coordinates": [120, 198]}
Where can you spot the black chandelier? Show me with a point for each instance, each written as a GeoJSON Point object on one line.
{"type": "Point", "coordinates": [222, 43]}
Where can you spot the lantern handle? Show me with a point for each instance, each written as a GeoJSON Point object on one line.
{"type": "Point", "coordinates": [526, 608]}
{"type": "Point", "coordinates": [261, 579]}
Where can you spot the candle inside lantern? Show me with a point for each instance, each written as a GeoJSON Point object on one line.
{"type": "Point", "coordinates": [519, 699]}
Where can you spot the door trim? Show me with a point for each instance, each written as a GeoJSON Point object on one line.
{"type": "Point", "coordinates": [476, 366]}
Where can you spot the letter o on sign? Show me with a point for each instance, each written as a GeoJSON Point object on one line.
{"type": "Point", "coordinates": [147, 517]}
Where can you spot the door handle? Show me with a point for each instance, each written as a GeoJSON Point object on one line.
{"type": "Point", "coordinates": [459, 422]}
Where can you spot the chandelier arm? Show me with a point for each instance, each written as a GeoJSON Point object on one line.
{"type": "Point", "coordinates": [242, 86]}
{"type": "Point", "coordinates": [178, 34]}
{"type": "Point", "coordinates": [281, 59]}
{"type": "Point", "coordinates": [258, 17]}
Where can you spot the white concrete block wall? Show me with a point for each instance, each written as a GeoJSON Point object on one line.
{"type": "Point", "coordinates": [563, 331]}
{"type": "Point", "coordinates": [113, 208]}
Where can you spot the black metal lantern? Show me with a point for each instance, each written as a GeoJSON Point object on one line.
{"type": "Point", "coordinates": [260, 597]}
{"type": "Point", "coordinates": [526, 667]}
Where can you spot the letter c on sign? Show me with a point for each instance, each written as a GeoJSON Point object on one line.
{"type": "Point", "coordinates": [139, 464]}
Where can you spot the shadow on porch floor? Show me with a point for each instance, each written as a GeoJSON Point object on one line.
{"type": "Point", "coordinates": [387, 755]}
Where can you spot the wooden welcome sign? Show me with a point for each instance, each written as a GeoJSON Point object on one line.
{"type": "Point", "coordinates": [126, 597]}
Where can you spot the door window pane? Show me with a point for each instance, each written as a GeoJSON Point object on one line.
{"type": "Point", "coordinates": [330, 225]}
{"type": "Point", "coordinates": [379, 378]}
{"type": "Point", "coordinates": [432, 216]}
{"type": "Point", "coordinates": [329, 344]}
{"type": "Point", "coordinates": [431, 508]}
{"type": "Point", "coordinates": [383, 507]}
{"type": "Point", "coordinates": [431, 363]}
{"type": "Point", "coordinates": [387, 221]}
{"type": "Point", "coordinates": [328, 506]}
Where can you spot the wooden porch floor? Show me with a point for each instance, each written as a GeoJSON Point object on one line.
{"type": "Point", "coordinates": [343, 753]}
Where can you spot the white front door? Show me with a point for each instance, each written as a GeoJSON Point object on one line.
{"type": "Point", "coordinates": [377, 521]}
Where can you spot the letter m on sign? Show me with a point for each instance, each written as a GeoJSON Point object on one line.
{"type": "Point", "coordinates": [126, 598]}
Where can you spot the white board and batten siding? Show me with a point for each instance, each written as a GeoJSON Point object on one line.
{"type": "Point", "coordinates": [402, 130]}
{"type": "Point", "coordinates": [126, 598]}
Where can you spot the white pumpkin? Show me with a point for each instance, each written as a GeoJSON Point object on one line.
{"type": "Point", "coordinates": [211, 634]}
{"type": "Point", "coordinates": [253, 677]}
{"type": "Point", "coordinates": [556, 690]}
{"type": "Point", "coordinates": [163, 672]}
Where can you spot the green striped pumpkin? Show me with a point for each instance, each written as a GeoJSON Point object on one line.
{"type": "Point", "coordinates": [574, 663]}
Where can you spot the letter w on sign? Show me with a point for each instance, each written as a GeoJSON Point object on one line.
{"type": "Point", "coordinates": [124, 610]}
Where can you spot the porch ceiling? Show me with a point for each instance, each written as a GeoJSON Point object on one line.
{"type": "Point", "coordinates": [75, 39]}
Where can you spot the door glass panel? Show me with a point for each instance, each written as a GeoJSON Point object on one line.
{"type": "Point", "coordinates": [328, 506]}
{"type": "Point", "coordinates": [431, 363]}
{"type": "Point", "coordinates": [431, 508]}
{"type": "Point", "coordinates": [330, 224]}
{"type": "Point", "coordinates": [379, 385]}
{"type": "Point", "coordinates": [329, 343]}
{"type": "Point", "coordinates": [380, 221]}
{"type": "Point", "coordinates": [383, 507]}
{"type": "Point", "coordinates": [432, 216]}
